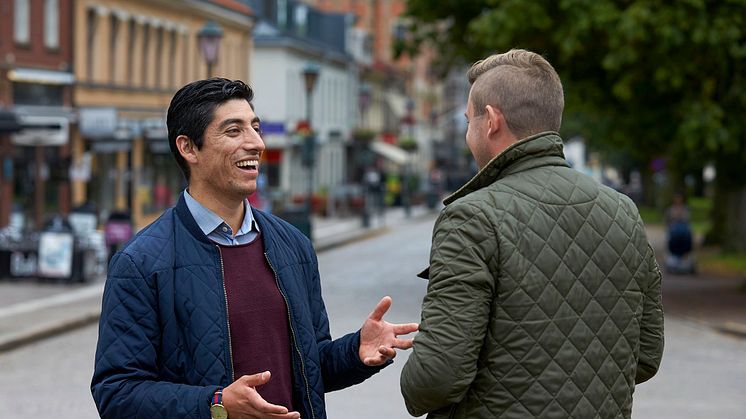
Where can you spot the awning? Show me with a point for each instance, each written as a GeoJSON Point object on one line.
{"type": "Point", "coordinates": [8, 121]}
{"type": "Point", "coordinates": [32, 75]}
{"type": "Point", "coordinates": [391, 152]}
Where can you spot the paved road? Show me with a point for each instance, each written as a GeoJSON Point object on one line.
{"type": "Point", "coordinates": [703, 374]}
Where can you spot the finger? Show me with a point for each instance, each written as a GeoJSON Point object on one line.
{"type": "Point", "coordinates": [388, 353]}
{"type": "Point", "coordinates": [289, 415]}
{"type": "Point", "coordinates": [381, 308]}
{"type": "Point", "coordinates": [403, 343]}
{"type": "Point", "coordinates": [406, 328]}
{"type": "Point", "coordinates": [265, 407]}
{"type": "Point", "coordinates": [256, 379]}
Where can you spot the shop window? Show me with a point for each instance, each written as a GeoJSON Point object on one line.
{"type": "Point", "coordinates": [52, 24]}
{"type": "Point", "coordinates": [21, 22]}
{"type": "Point", "coordinates": [37, 94]}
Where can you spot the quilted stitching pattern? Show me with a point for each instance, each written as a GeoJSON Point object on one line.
{"type": "Point", "coordinates": [162, 349]}
{"type": "Point", "coordinates": [539, 281]}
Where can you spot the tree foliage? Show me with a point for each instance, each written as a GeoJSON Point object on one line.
{"type": "Point", "coordinates": [645, 78]}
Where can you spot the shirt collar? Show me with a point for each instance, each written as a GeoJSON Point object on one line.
{"type": "Point", "coordinates": [208, 221]}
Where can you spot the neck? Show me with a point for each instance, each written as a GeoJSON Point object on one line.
{"type": "Point", "coordinates": [230, 209]}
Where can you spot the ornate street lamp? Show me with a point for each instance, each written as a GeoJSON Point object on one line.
{"type": "Point", "coordinates": [308, 154]}
{"type": "Point", "coordinates": [209, 43]}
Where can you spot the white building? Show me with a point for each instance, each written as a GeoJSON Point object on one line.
{"type": "Point", "coordinates": [279, 59]}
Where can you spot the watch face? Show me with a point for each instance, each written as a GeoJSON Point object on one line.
{"type": "Point", "coordinates": [217, 411]}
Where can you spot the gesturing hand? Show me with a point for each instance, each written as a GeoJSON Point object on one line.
{"type": "Point", "coordinates": [241, 400]}
{"type": "Point", "coordinates": [379, 339]}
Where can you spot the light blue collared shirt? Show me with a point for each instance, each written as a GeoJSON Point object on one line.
{"type": "Point", "coordinates": [216, 229]}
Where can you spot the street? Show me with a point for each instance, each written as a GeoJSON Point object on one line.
{"type": "Point", "coordinates": [703, 374]}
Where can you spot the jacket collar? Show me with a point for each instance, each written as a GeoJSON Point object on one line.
{"type": "Point", "coordinates": [544, 149]}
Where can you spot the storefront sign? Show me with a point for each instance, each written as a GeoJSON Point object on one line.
{"type": "Point", "coordinates": [42, 130]}
{"type": "Point", "coordinates": [98, 122]}
{"type": "Point", "coordinates": [55, 255]}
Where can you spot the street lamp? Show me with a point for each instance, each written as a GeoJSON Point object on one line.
{"type": "Point", "coordinates": [308, 158]}
{"type": "Point", "coordinates": [209, 43]}
{"type": "Point", "coordinates": [406, 187]}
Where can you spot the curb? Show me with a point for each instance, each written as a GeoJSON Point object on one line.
{"type": "Point", "coordinates": [17, 340]}
{"type": "Point", "coordinates": [734, 329]}
{"type": "Point", "coordinates": [12, 341]}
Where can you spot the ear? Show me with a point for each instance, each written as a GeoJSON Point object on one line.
{"type": "Point", "coordinates": [495, 120]}
{"type": "Point", "coordinates": [187, 149]}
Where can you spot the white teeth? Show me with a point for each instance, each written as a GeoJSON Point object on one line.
{"type": "Point", "coordinates": [247, 163]}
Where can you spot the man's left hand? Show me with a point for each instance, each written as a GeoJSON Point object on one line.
{"type": "Point", "coordinates": [379, 339]}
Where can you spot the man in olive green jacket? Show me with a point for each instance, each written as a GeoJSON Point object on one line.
{"type": "Point", "coordinates": [544, 295]}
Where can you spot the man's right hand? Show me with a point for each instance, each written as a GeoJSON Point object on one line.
{"type": "Point", "coordinates": [241, 400]}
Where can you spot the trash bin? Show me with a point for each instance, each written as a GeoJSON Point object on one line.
{"type": "Point", "coordinates": [299, 218]}
{"type": "Point", "coordinates": [117, 231]}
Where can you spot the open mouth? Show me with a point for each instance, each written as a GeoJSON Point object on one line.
{"type": "Point", "coordinates": [248, 164]}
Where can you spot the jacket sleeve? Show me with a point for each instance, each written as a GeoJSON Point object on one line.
{"type": "Point", "coordinates": [651, 327]}
{"type": "Point", "coordinates": [341, 366]}
{"type": "Point", "coordinates": [455, 310]}
{"type": "Point", "coordinates": [125, 379]}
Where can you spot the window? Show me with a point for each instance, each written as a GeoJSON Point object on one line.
{"type": "Point", "coordinates": [52, 24]}
{"type": "Point", "coordinates": [131, 51]}
{"type": "Point", "coordinates": [22, 17]}
{"type": "Point", "coordinates": [90, 42]}
{"type": "Point", "coordinates": [158, 55]}
{"type": "Point", "coordinates": [113, 50]}
{"type": "Point", "coordinates": [145, 48]}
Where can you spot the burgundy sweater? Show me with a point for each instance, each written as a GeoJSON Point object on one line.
{"type": "Point", "coordinates": [258, 317]}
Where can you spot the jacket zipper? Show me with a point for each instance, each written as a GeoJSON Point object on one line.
{"type": "Point", "coordinates": [227, 316]}
{"type": "Point", "coordinates": [295, 341]}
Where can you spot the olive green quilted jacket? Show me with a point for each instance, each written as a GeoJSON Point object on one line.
{"type": "Point", "coordinates": [544, 299]}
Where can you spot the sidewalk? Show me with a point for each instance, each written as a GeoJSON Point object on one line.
{"type": "Point", "coordinates": [713, 301]}
{"type": "Point", "coordinates": [26, 316]}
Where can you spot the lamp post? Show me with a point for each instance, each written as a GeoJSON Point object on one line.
{"type": "Point", "coordinates": [209, 43]}
{"type": "Point", "coordinates": [406, 187]}
{"type": "Point", "coordinates": [308, 154]}
{"type": "Point", "coordinates": [364, 154]}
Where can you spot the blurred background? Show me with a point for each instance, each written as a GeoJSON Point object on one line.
{"type": "Point", "coordinates": [362, 105]}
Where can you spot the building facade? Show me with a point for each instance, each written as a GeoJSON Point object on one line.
{"type": "Point", "coordinates": [286, 41]}
{"type": "Point", "coordinates": [130, 56]}
{"type": "Point", "coordinates": [36, 82]}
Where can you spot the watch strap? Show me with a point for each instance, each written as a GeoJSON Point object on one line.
{"type": "Point", "coordinates": [217, 398]}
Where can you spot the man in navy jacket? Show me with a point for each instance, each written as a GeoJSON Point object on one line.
{"type": "Point", "coordinates": [215, 309]}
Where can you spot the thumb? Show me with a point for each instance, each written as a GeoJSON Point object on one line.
{"type": "Point", "coordinates": [256, 379]}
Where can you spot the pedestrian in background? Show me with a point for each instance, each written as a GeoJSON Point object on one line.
{"type": "Point", "coordinates": [215, 309]}
{"type": "Point", "coordinates": [544, 295]}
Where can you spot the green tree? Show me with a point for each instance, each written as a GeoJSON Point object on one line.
{"type": "Point", "coordinates": [644, 78]}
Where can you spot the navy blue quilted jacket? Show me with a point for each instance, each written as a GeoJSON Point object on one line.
{"type": "Point", "coordinates": [163, 346]}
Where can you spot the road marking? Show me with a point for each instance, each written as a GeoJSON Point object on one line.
{"type": "Point", "coordinates": [55, 300]}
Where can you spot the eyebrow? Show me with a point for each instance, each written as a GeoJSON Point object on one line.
{"type": "Point", "coordinates": [228, 122]}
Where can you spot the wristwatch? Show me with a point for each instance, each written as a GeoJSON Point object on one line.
{"type": "Point", "coordinates": [217, 410]}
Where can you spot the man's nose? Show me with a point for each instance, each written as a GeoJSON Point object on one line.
{"type": "Point", "coordinates": [254, 141]}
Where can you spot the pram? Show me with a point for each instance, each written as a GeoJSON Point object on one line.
{"type": "Point", "coordinates": [680, 259]}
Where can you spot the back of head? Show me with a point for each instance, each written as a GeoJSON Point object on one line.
{"type": "Point", "coordinates": [193, 107]}
{"type": "Point", "coordinates": [524, 86]}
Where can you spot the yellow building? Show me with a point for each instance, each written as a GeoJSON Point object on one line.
{"type": "Point", "coordinates": [130, 57]}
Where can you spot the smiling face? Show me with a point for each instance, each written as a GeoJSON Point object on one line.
{"type": "Point", "coordinates": [227, 165]}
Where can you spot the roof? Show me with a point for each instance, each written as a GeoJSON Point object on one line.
{"type": "Point", "coordinates": [234, 5]}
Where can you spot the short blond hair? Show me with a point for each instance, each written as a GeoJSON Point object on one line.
{"type": "Point", "coordinates": [524, 86]}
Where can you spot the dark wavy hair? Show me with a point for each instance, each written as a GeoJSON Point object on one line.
{"type": "Point", "coordinates": [193, 108]}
